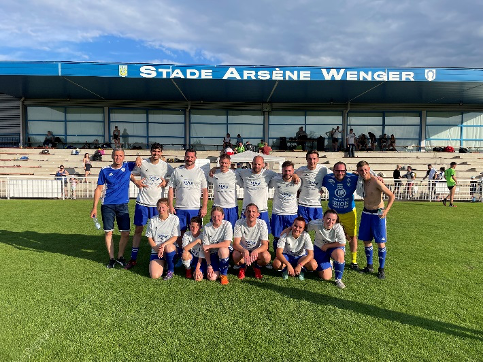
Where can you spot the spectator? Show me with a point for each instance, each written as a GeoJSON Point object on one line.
{"type": "Point", "coordinates": [335, 134]}
{"type": "Point", "coordinates": [87, 165]}
{"type": "Point", "coordinates": [383, 141]}
{"type": "Point", "coordinates": [260, 145]}
{"type": "Point", "coordinates": [116, 137]}
{"type": "Point", "coordinates": [249, 146]}
{"type": "Point", "coordinates": [351, 142]}
{"type": "Point", "coordinates": [396, 175]}
{"type": "Point", "coordinates": [411, 176]}
{"type": "Point", "coordinates": [73, 186]}
{"type": "Point", "coordinates": [239, 148]}
{"type": "Point", "coordinates": [125, 138]}
{"type": "Point", "coordinates": [227, 141]}
{"type": "Point", "coordinates": [86, 145]}
{"type": "Point", "coordinates": [95, 143]}
{"type": "Point", "coordinates": [362, 142]}
{"type": "Point", "coordinates": [239, 139]}
{"type": "Point", "coordinates": [62, 174]}
{"type": "Point", "coordinates": [229, 151]}
{"type": "Point", "coordinates": [372, 138]}
{"type": "Point", "coordinates": [451, 182]}
{"type": "Point", "coordinates": [266, 149]}
{"type": "Point", "coordinates": [392, 144]}
{"type": "Point", "coordinates": [301, 137]}
{"type": "Point", "coordinates": [49, 140]}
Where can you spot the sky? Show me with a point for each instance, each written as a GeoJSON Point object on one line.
{"type": "Point", "coordinates": [343, 33]}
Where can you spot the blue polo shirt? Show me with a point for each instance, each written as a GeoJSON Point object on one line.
{"type": "Point", "coordinates": [341, 193]}
{"type": "Point", "coordinates": [117, 183]}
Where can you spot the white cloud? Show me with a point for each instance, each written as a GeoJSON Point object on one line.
{"type": "Point", "coordinates": [310, 32]}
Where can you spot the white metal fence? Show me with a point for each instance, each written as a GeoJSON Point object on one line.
{"type": "Point", "coordinates": [26, 187]}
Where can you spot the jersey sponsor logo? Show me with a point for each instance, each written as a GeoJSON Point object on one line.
{"type": "Point", "coordinates": [223, 187]}
{"type": "Point", "coordinates": [254, 183]}
{"type": "Point", "coordinates": [250, 243]}
{"type": "Point", "coordinates": [340, 191]}
{"type": "Point", "coordinates": [162, 237]}
{"type": "Point", "coordinates": [188, 183]}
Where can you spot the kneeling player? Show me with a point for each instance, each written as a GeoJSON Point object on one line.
{"type": "Point", "coordinates": [329, 243]}
{"type": "Point", "coordinates": [217, 237]}
{"type": "Point", "coordinates": [162, 233]}
{"type": "Point", "coordinates": [193, 251]}
{"type": "Point", "coordinates": [295, 251]}
{"type": "Point", "coordinates": [250, 242]}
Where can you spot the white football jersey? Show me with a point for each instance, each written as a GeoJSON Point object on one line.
{"type": "Point", "coordinates": [152, 175]}
{"type": "Point", "coordinates": [212, 235]}
{"type": "Point", "coordinates": [295, 247]}
{"type": "Point", "coordinates": [285, 196]}
{"type": "Point", "coordinates": [250, 237]}
{"type": "Point", "coordinates": [224, 189]}
{"type": "Point", "coordinates": [188, 185]}
{"type": "Point", "coordinates": [324, 236]}
{"type": "Point", "coordinates": [161, 230]}
{"type": "Point", "coordinates": [311, 184]}
{"type": "Point", "coordinates": [255, 187]}
{"type": "Point", "coordinates": [197, 250]}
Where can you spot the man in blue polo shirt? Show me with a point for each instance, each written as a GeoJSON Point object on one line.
{"type": "Point", "coordinates": [115, 203]}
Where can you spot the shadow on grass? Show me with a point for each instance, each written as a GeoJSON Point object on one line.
{"type": "Point", "coordinates": [371, 310]}
{"type": "Point", "coordinates": [89, 247]}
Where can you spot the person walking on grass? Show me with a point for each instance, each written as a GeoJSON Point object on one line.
{"type": "Point", "coordinates": [373, 219]}
{"type": "Point", "coordinates": [115, 203]}
{"type": "Point", "coordinates": [451, 182]}
{"type": "Point", "coordinates": [162, 233]}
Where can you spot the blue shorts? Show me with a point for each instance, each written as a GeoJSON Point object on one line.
{"type": "Point", "coordinates": [281, 222]}
{"type": "Point", "coordinates": [372, 227]}
{"type": "Point", "coordinates": [120, 213]}
{"type": "Point", "coordinates": [185, 217]}
{"type": "Point", "coordinates": [203, 265]}
{"type": "Point", "coordinates": [215, 261]}
{"type": "Point", "coordinates": [155, 257]}
{"type": "Point", "coordinates": [143, 213]}
{"type": "Point", "coordinates": [323, 257]}
{"type": "Point", "coordinates": [310, 213]}
{"type": "Point", "coordinates": [231, 215]}
{"type": "Point", "coordinates": [293, 260]}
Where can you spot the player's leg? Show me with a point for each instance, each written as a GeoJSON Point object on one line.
{"type": "Point", "coordinates": [188, 260]}
{"type": "Point", "coordinates": [366, 235]}
{"type": "Point", "coordinates": [263, 259]}
{"type": "Point", "coordinates": [224, 259]}
{"type": "Point", "coordinates": [322, 259]}
{"type": "Point", "coordinates": [108, 216]}
{"type": "Point", "coordinates": [215, 265]}
{"type": "Point", "coordinates": [451, 196]}
{"type": "Point", "coordinates": [239, 261]}
{"type": "Point", "coordinates": [380, 237]}
{"type": "Point", "coordinates": [156, 267]}
{"type": "Point", "coordinates": [124, 225]}
{"type": "Point", "coordinates": [169, 254]}
{"type": "Point", "coordinates": [337, 255]}
{"type": "Point", "coordinates": [349, 222]}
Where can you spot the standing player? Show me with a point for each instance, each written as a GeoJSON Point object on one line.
{"type": "Point", "coordinates": [373, 219]}
{"type": "Point", "coordinates": [329, 243]}
{"type": "Point", "coordinates": [162, 233]}
{"type": "Point", "coordinates": [309, 198]}
{"type": "Point", "coordinates": [451, 182]}
{"type": "Point", "coordinates": [114, 204]}
{"type": "Point", "coordinates": [250, 242]}
{"type": "Point", "coordinates": [341, 187]}
{"type": "Point", "coordinates": [284, 210]}
{"type": "Point", "coordinates": [217, 237]}
{"type": "Point", "coordinates": [224, 189]}
{"type": "Point", "coordinates": [153, 172]}
{"type": "Point", "coordinates": [295, 251]}
{"type": "Point", "coordinates": [189, 181]}
{"type": "Point", "coordinates": [255, 183]}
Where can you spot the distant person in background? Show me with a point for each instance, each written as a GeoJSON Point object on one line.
{"type": "Point", "coordinates": [73, 186]}
{"type": "Point", "coordinates": [239, 148]}
{"type": "Point", "coordinates": [239, 139]}
{"type": "Point", "coordinates": [396, 175]}
{"type": "Point", "coordinates": [87, 165]}
{"type": "Point", "coordinates": [116, 137]}
{"type": "Point", "coordinates": [228, 151]}
{"type": "Point", "coordinates": [49, 139]}
{"type": "Point", "coordinates": [392, 144]}
{"type": "Point", "coordinates": [227, 141]}
{"type": "Point", "coordinates": [249, 146]}
{"type": "Point", "coordinates": [362, 142]}
{"type": "Point", "coordinates": [411, 176]}
{"type": "Point", "coordinates": [351, 142]}
{"type": "Point", "coordinates": [383, 140]}
{"type": "Point", "coordinates": [260, 144]}
{"type": "Point", "coordinates": [62, 174]}
{"type": "Point", "coordinates": [372, 138]}
{"type": "Point", "coordinates": [335, 134]}
{"type": "Point", "coordinates": [301, 137]}
{"type": "Point", "coordinates": [451, 182]}
{"type": "Point", "coordinates": [266, 149]}
{"type": "Point", "coordinates": [125, 138]}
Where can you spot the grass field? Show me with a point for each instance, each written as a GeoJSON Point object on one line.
{"type": "Point", "coordinates": [58, 301]}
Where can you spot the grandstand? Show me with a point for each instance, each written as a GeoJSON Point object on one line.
{"type": "Point", "coordinates": [20, 167]}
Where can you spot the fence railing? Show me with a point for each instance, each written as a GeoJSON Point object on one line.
{"type": "Point", "coordinates": [26, 187]}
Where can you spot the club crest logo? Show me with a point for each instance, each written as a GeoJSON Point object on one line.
{"type": "Point", "coordinates": [123, 71]}
{"type": "Point", "coordinates": [430, 74]}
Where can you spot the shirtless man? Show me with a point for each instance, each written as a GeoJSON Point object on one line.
{"type": "Point", "coordinates": [373, 219]}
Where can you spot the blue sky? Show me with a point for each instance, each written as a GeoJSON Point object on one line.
{"type": "Point", "coordinates": [433, 33]}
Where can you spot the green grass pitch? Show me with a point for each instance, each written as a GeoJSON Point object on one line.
{"type": "Point", "coordinates": [58, 301]}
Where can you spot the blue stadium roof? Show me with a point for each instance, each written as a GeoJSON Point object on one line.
{"type": "Point", "coordinates": [250, 84]}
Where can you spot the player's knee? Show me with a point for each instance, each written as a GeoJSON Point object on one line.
{"type": "Point", "coordinates": [186, 255]}
{"type": "Point", "coordinates": [277, 264]}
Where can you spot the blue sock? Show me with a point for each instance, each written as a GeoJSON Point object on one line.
{"type": "Point", "coordinates": [368, 250]}
{"type": "Point", "coordinates": [382, 257]}
{"type": "Point", "coordinates": [255, 265]}
{"type": "Point", "coordinates": [338, 269]}
{"type": "Point", "coordinates": [224, 266]}
{"type": "Point", "coordinates": [170, 260]}
{"type": "Point", "coordinates": [134, 253]}
{"type": "Point", "coordinates": [275, 242]}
